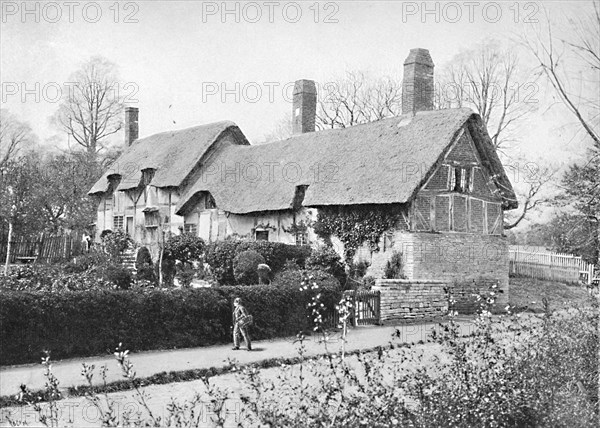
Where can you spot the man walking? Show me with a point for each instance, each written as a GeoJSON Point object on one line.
{"type": "Point", "coordinates": [240, 325]}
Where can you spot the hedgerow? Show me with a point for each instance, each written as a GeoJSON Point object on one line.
{"type": "Point", "coordinates": [90, 322]}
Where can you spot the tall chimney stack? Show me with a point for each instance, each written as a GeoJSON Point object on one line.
{"type": "Point", "coordinates": [131, 125]}
{"type": "Point", "coordinates": [304, 106]}
{"type": "Point", "coordinates": [417, 85]}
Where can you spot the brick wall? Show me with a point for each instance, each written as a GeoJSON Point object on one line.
{"type": "Point", "coordinates": [468, 263]}
{"type": "Point", "coordinates": [411, 299]}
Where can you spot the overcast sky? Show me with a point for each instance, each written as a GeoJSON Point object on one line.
{"type": "Point", "coordinates": [183, 54]}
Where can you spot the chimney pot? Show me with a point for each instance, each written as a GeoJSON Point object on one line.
{"type": "Point", "coordinates": [304, 106]}
{"type": "Point", "coordinates": [417, 84]}
{"type": "Point", "coordinates": [131, 125]}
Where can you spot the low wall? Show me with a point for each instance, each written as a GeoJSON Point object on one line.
{"type": "Point", "coordinates": [405, 299]}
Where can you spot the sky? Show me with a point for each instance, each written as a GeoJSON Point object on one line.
{"type": "Point", "coordinates": [185, 63]}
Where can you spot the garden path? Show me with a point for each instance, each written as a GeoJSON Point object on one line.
{"type": "Point", "coordinates": [148, 363]}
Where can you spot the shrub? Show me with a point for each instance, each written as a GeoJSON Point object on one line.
{"type": "Point", "coordinates": [264, 273]}
{"type": "Point", "coordinates": [116, 242]}
{"type": "Point", "coordinates": [87, 261]}
{"type": "Point", "coordinates": [185, 248]}
{"type": "Point", "coordinates": [326, 259]}
{"type": "Point", "coordinates": [220, 254]}
{"type": "Point", "coordinates": [359, 269]}
{"type": "Point", "coordinates": [290, 265]}
{"type": "Point", "coordinates": [144, 266]}
{"type": "Point", "coordinates": [245, 267]}
{"type": "Point", "coordinates": [85, 323]}
{"type": "Point", "coordinates": [394, 268]}
{"type": "Point", "coordinates": [121, 277]}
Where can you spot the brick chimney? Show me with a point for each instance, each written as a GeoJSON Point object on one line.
{"type": "Point", "coordinates": [304, 106]}
{"type": "Point", "coordinates": [131, 125]}
{"type": "Point", "coordinates": [417, 85]}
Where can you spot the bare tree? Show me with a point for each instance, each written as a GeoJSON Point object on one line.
{"type": "Point", "coordinates": [532, 197]}
{"type": "Point", "coordinates": [488, 79]}
{"type": "Point", "coordinates": [572, 66]}
{"type": "Point", "coordinates": [14, 136]}
{"type": "Point", "coordinates": [356, 99]}
{"type": "Point", "coordinates": [91, 109]}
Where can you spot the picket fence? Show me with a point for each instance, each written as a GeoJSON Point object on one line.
{"type": "Point", "coordinates": [537, 262]}
{"type": "Point", "coordinates": [43, 248]}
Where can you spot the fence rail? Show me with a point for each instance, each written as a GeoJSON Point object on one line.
{"type": "Point", "coordinates": [42, 248]}
{"type": "Point", "coordinates": [535, 262]}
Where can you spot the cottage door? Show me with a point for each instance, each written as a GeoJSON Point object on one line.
{"type": "Point", "coordinates": [204, 225]}
{"type": "Point", "coordinates": [129, 226]}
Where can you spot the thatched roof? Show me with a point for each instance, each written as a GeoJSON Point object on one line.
{"type": "Point", "coordinates": [172, 155]}
{"type": "Point", "coordinates": [376, 163]}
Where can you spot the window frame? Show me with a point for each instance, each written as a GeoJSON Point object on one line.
{"type": "Point", "coordinates": [116, 221]}
{"type": "Point", "coordinates": [261, 231]}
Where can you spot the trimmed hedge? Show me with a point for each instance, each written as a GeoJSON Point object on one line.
{"type": "Point", "coordinates": [220, 255]}
{"type": "Point", "coordinates": [93, 322]}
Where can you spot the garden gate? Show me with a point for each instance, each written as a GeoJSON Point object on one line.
{"type": "Point", "coordinates": [366, 304]}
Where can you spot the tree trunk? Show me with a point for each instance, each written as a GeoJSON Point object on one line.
{"type": "Point", "coordinates": [8, 247]}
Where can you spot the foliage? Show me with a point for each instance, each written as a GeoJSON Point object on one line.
{"type": "Point", "coordinates": [569, 232]}
{"type": "Point", "coordinates": [359, 269]}
{"type": "Point", "coordinates": [582, 189]}
{"type": "Point", "coordinates": [116, 242]}
{"type": "Point", "coordinates": [185, 248]}
{"type": "Point", "coordinates": [119, 275]}
{"type": "Point", "coordinates": [53, 278]}
{"type": "Point", "coordinates": [85, 323]}
{"type": "Point", "coordinates": [264, 273]}
{"type": "Point", "coordinates": [354, 225]}
{"type": "Point", "coordinates": [394, 267]}
{"type": "Point", "coordinates": [144, 266]}
{"type": "Point", "coordinates": [220, 256]}
{"type": "Point", "coordinates": [512, 372]}
{"type": "Point", "coordinates": [326, 259]}
{"type": "Point", "coordinates": [245, 267]}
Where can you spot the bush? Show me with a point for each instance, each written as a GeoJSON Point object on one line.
{"type": "Point", "coordinates": [359, 269]}
{"type": "Point", "coordinates": [185, 248]}
{"type": "Point", "coordinates": [220, 254]}
{"type": "Point", "coordinates": [144, 266]}
{"type": "Point", "coordinates": [394, 268]}
{"type": "Point", "coordinates": [326, 259]}
{"type": "Point", "coordinates": [245, 267]}
{"type": "Point", "coordinates": [116, 242]}
{"type": "Point", "coordinates": [85, 323]}
{"type": "Point", "coordinates": [118, 275]}
{"type": "Point", "coordinates": [264, 274]}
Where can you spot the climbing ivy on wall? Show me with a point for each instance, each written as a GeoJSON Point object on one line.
{"type": "Point", "coordinates": [356, 224]}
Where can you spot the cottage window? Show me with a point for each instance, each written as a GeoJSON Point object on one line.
{"type": "Point", "coordinates": [301, 238]}
{"type": "Point", "coordinates": [191, 228]}
{"type": "Point", "coordinates": [117, 222]}
{"type": "Point", "coordinates": [262, 235]}
{"type": "Point", "coordinates": [461, 180]}
{"type": "Point", "coordinates": [151, 217]}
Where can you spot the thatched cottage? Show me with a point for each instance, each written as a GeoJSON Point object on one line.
{"type": "Point", "coordinates": [437, 168]}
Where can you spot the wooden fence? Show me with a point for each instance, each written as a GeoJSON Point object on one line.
{"type": "Point", "coordinates": [537, 262]}
{"type": "Point", "coordinates": [42, 249]}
